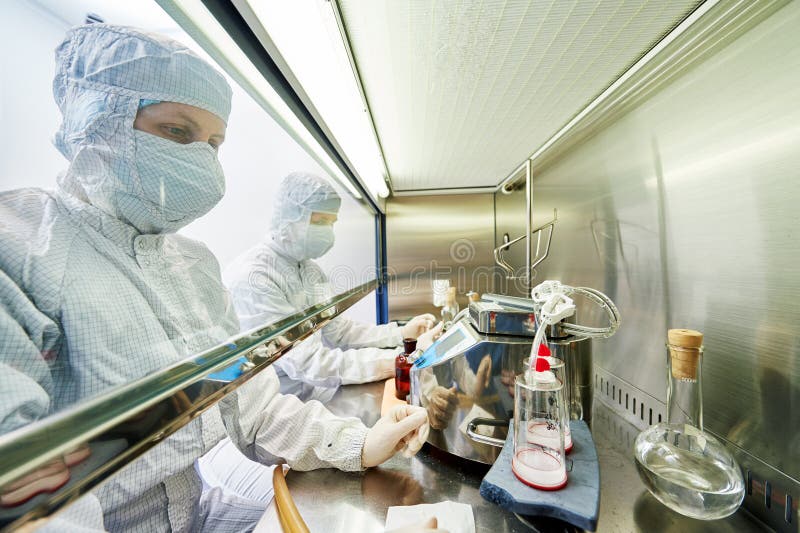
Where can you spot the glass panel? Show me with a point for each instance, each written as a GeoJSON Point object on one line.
{"type": "Point", "coordinates": [115, 253]}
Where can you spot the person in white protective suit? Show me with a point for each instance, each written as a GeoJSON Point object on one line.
{"type": "Point", "coordinates": [278, 277]}
{"type": "Point", "coordinates": [97, 290]}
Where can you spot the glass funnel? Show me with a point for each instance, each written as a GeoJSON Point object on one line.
{"type": "Point", "coordinates": [539, 459]}
{"type": "Point", "coordinates": [685, 468]}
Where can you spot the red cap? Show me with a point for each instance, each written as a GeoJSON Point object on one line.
{"type": "Point", "coordinates": [542, 364]}
{"type": "Point", "coordinates": [544, 351]}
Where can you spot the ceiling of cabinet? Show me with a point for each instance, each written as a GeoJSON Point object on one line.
{"type": "Point", "coordinates": [461, 92]}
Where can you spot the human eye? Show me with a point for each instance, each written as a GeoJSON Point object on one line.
{"type": "Point", "coordinates": [176, 133]}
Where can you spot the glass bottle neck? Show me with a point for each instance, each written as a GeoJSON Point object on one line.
{"type": "Point", "coordinates": [685, 391]}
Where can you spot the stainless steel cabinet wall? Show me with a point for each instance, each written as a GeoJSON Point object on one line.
{"type": "Point", "coordinates": [685, 212]}
{"type": "Point", "coordinates": [444, 236]}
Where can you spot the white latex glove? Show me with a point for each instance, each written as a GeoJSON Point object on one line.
{"type": "Point", "coordinates": [426, 339]}
{"type": "Point", "coordinates": [417, 326]}
{"type": "Point", "coordinates": [430, 525]}
{"type": "Point", "coordinates": [405, 428]}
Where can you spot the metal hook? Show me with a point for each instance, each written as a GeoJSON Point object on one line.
{"type": "Point", "coordinates": [499, 252]}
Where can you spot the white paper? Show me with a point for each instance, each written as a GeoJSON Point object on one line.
{"type": "Point", "coordinates": [451, 516]}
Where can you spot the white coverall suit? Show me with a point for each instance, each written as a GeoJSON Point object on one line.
{"type": "Point", "coordinates": [277, 278]}
{"type": "Point", "coordinates": [96, 290]}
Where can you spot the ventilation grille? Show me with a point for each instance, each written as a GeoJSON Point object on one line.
{"type": "Point", "coordinates": [635, 406]}
{"type": "Point", "coordinates": [462, 92]}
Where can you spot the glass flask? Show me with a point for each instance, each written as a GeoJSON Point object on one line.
{"type": "Point", "coordinates": [539, 459]}
{"type": "Point", "coordinates": [559, 371]}
{"type": "Point", "coordinates": [685, 468]}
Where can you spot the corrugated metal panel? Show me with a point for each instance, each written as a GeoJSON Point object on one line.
{"type": "Point", "coordinates": [462, 92]}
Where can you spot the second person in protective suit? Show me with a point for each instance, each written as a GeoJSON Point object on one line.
{"type": "Point", "coordinates": [279, 277]}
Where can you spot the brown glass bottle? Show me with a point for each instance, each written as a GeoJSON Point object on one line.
{"type": "Point", "coordinates": [402, 369]}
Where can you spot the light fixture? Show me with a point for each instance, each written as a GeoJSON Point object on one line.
{"type": "Point", "coordinates": [309, 39]}
{"type": "Point", "coordinates": [201, 25]}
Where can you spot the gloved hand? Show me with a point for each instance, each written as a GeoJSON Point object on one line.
{"type": "Point", "coordinates": [405, 428]}
{"type": "Point", "coordinates": [417, 326]}
{"type": "Point", "coordinates": [426, 339]}
{"type": "Point", "coordinates": [430, 525]}
{"type": "Point", "coordinates": [442, 403]}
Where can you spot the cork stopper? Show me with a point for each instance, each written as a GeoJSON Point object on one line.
{"type": "Point", "coordinates": [685, 347]}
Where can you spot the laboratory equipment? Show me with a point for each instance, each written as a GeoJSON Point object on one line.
{"type": "Point", "coordinates": [471, 371]}
{"type": "Point", "coordinates": [571, 342]}
{"type": "Point", "coordinates": [557, 367]}
{"type": "Point", "coordinates": [539, 427]}
{"type": "Point", "coordinates": [577, 503]}
{"type": "Point", "coordinates": [478, 358]}
{"type": "Point", "coordinates": [402, 369]}
{"type": "Point", "coordinates": [684, 467]}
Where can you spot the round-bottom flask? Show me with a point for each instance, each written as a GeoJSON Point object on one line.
{"type": "Point", "coordinates": [685, 468]}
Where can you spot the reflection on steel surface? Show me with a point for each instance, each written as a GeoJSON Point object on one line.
{"type": "Point", "coordinates": [438, 237]}
{"type": "Point", "coordinates": [120, 425]}
{"type": "Point", "coordinates": [477, 383]}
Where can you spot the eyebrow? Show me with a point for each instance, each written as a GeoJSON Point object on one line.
{"type": "Point", "coordinates": [188, 119]}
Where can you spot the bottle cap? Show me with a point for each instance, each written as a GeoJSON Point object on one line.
{"type": "Point", "coordinates": [685, 347]}
{"type": "Point", "coordinates": [409, 345]}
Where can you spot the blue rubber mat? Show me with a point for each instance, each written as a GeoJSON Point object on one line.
{"type": "Point", "coordinates": [578, 503]}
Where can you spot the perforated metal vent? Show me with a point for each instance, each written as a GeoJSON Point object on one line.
{"type": "Point", "coordinates": [462, 92]}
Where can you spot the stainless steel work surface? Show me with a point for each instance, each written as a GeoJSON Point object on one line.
{"type": "Point", "coordinates": [334, 501]}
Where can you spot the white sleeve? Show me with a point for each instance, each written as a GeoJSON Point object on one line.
{"type": "Point", "coordinates": [282, 429]}
{"type": "Point", "coordinates": [27, 339]}
{"type": "Point", "coordinates": [255, 308]}
{"type": "Point", "coordinates": [314, 363]}
{"type": "Point", "coordinates": [345, 333]}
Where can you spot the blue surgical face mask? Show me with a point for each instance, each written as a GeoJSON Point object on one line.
{"type": "Point", "coordinates": [180, 182]}
{"type": "Point", "coordinates": [319, 239]}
